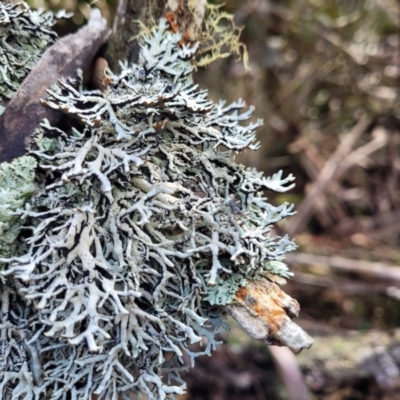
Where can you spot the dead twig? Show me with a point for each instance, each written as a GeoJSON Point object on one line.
{"type": "Point", "coordinates": [264, 311]}
{"type": "Point", "coordinates": [342, 286]}
{"type": "Point", "coordinates": [312, 163]}
{"type": "Point", "coordinates": [290, 372]}
{"type": "Point", "coordinates": [359, 155]}
{"type": "Point", "coordinates": [328, 173]}
{"type": "Point", "coordinates": [373, 269]}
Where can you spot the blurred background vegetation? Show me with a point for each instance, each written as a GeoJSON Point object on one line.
{"type": "Point", "coordinates": [325, 77]}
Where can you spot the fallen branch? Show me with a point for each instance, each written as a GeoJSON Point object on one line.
{"type": "Point", "coordinates": [372, 269]}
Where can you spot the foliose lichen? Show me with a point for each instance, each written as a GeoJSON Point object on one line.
{"type": "Point", "coordinates": [142, 223]}
{"type": "Point", "coordinates": [16, 187]}
{"type": "Point", "coordinates": [24, 35]}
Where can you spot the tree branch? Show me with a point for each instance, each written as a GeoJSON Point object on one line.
{"type": "Point", "coordinates": [62, 60]}
{"type": "Point", "coordinates": [290, 372]}
{"type": "Point", "coordinates": [375, 270]}
{"type": "Point", "coordinates": [264, 311]}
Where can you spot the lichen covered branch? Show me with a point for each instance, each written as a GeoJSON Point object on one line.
{"type": "Point", "coordinates": [63, 59]}
{"type": "Point", "coordinates": [142, 228]}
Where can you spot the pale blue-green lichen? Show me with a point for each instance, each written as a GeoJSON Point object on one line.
{"type": "Point", "coordinates": [24, 35]}
{"type": "Point", "coordinates": [16, 187]}
{"type": "Point", "coordinates": [142, 223]}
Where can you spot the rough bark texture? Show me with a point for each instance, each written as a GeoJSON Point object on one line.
{"type": "Point", "coordinates": [264, 310]}
{"type": "Point", "coordinates": [25, 112]}
{"type": "Point", "coordinates": [183, 15]}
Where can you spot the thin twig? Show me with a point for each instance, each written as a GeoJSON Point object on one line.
{"type": "Point", "coordinates": [344, 287]}
{"type": "Point", "coordinates": [311, 161]}
{"type": "Point", "coordinates": [373, 269]}
{"type": "Point", "coordinates": [359, 155]}
{"type": "Point", "coordinates": [305, 210]}
{"type": "Point", "coordinates": [290, 372]}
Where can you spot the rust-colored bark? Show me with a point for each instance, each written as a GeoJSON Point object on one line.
{"type": "Point", "coordinates": [264, 310]}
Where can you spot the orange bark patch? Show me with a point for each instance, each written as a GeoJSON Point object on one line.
{"type": "Point", "coordinates": [181, 19]}
{"type": "Point", "coordinates": [172, 20]}
{"type": "Point", "coordinates": [160, 126]}
{"type": "Point", "coordinates": [266, 300]}
{"type": "Point", "coordinates": [185, 38]}
{"type": "Point", "coordinates": [241, 293]}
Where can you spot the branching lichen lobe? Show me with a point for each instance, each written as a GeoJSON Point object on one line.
{"type": "Point", "coordinates": [143, 226]}
{"type": "Point", "coordinates": [25, 36]}
{"type": "Point", "coordinates": [25, 112]}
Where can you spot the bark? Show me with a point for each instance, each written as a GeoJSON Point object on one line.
{"type": "Point", "coordinates": [265, 312]}
{"type": "Point", "coordinates": [25, 112]}
{"type": "Point", "coordinates": [185, 16]}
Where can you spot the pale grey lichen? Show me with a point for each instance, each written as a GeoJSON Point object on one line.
{"type": "Point", "coordinates": [16, 187]}
{"type": "Point", "coordinates": [142, 223]}
{"type": "Point", "coordinates": [24, 35]}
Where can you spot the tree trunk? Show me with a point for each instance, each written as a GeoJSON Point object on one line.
{"type": "Point", "coordinates": [25, 112]}
{"type": "Point", "coordinates": [185, 16]}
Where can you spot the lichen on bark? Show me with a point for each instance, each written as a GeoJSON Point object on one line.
{"type": "Point", "coordinates": [25, 36]}
{"type": "Point", "coordinates": [138, 216]}
{"type": "Point", "coordinates": [142, 228]}
{"type": "Point", "coordinates": [16, 187]}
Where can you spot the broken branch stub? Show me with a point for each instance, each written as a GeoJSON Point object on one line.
{"type": "Point", "coordinates": [264, 310]}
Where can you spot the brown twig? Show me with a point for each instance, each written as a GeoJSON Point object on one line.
{"type": "Point", "coordinates": [290, 372]}
{"type": "Point", "coordinates": [373, 269]}
{"type": "Point", "coordinates": [62, 60]}
{"type": "Point", "coordinates": [313, 163]}
{"type": "Point", "coordinates": [359, 155]}
{"type": "Point", "coordinates": [264, 311]}
{"type": "Point", "coordinates": [342, 286]}
{"type": "Point", "coordinates": [329, 172]}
